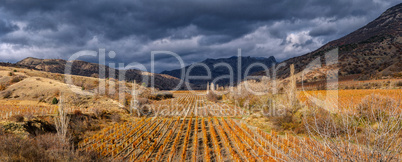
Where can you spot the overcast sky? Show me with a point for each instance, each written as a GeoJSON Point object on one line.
{"type": "Point", "coordinates": [194, 29]}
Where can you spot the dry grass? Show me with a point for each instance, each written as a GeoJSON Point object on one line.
{"type": "Point", "coordinates": [45, 147]}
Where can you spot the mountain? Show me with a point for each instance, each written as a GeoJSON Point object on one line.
{"type": "Point", "coordinates": [222, 70]}
{"type": "Point", "coordinates": [371, 52]}
{"type": "Point", "coordinates": [82, 68]}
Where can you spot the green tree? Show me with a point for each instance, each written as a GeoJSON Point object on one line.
{"type": "Point", "coordinates": [55, 101]}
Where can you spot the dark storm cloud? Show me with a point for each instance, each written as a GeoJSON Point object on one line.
{"type": "Point", "coordinates": [322, 31]}
{"type": "Point", "coordinates": [195, 30]}
{"type": "Point", "coordinates": [6, 27]}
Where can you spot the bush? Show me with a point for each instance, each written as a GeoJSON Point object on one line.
{"type": "Point", "coordinates": [143, 101]}
{"type": "Point", "coordinates": [10, 74]}
{"type": "Point", "coordinates": [399, 84]}
{"type": "Point", "coordinates": [319, 119]}
{"type": "Point", "coordinates": [17, 118]}
{"type": "Point", "coordinates": [7, 94]}
{"type": "Point", "coordinates": [1, 130]}
{"type": "Point", "coordinates": [115, 117]}
{"type": "Point", "coordinates": [211, 96]}
{"type": "Point", "coordinates": [77, 112]}
{"type": "Point", "coordinates": [161, 96]}
{"type": "Point", "coordinates": [98, 112]}
{"type": "Point", "coordinates": [55, 101]}
{"type": "Point", "coordinates": [47, 147]}
{"type": "Point", "coordinates": [375, 107]}
{"type": "Point", "coordinates": [16, 79]}
{"type": "Point", "coordinates": [376, 126]}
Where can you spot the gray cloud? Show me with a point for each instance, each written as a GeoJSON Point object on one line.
{"type": "Point", "coordinates": [7, 27]}
{"type": "Point", "coordinates": [195, 30]}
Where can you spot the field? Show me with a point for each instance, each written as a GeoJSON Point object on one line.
{"type": "Point", "coordinates": [196, 139]}
{"type": "Point", "coordinates": [9, 110]}
{"type": "Point", "coordinates": [350, 98]}
{"type": "Point", "coordinates": [191, 135]}
{"type": "Point", "coordinates": [193, 104]}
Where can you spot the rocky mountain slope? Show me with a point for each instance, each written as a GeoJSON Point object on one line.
{"type": "Point", "coordinates": [371, 52]}
{"type": "Point", "coordinates": [222, 70]}
{"type": "Point", "coordinates": [82, 68]}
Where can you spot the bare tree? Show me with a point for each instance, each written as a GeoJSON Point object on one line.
{"type": "Point", "coordinates": [292, 91]}
{"type": "Point", "coordinates": [62, 121]}
{"type": "Point", "coordinates": [134, 105]}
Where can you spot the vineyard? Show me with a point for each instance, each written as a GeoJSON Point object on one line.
{"type": "Point", "coordinates": [193, 131]}
{"type": "Point", "coordinates": [7, 111]}
{"type": "Point", "coordinates": [350, 98]}
{"type": "Point", "coordinates": [196, 139]}
{"type": "Point", "coordinates": [188, 104]}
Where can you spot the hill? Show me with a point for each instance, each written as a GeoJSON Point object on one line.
{"type": "Point", "coordinates": [20, 86]}
{"type": "Point", "coordinates": [82, 68]}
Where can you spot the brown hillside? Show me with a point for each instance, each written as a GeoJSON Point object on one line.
{"type": "Point", "coordinates": [83, 68]}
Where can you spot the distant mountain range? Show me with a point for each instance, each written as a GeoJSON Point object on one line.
{"type": "Point", "coordinates": [223, 70]}
{"type": "Point", "coordinates": [371, 52]}
{"type": "Point", "coordinates": [166, 81]}
{"type": "Point", "coordinates": [82, 68]}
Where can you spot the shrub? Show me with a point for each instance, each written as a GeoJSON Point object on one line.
{"type": "Point", "coordinates": [115, 117]}
{"type": "Point", "coordinates": [16, 79]}
{"type": "Point", "coordinates": [375, 107]}
{"type": "Point", "coordinates": [143, 101]}
{"type": "Point", "coordinates": [55, 101]}
{"type": "Point", "coordinates": [98, 112]}
{"type": "Point", "coordinates": [211, 96]}
{"type": "Point", "coordinates": [376, 126]}
{"type": "Point", "coordinates": [10, 74]}
{"type": "Point", "coordinates": [17, 118]}
{"type": "Point", "coordinates": [79, 124]}
{"type": "Point", "coordinates": [77, 112]}
{"type": "Point", "coordinates": [399, 84]}
{"type": "Point", "coordinates": [29, 115]}
{"type": "Point", "coordinates": [47, 147]}
{"type": "Point", "coordinates": [319, 119]}
{"type": "Point", "coordinates": [7, 94]}
{"type": "Point", "coordinates": [321, 86]}
{"type": "Point", "coordinates": [161, 96]}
